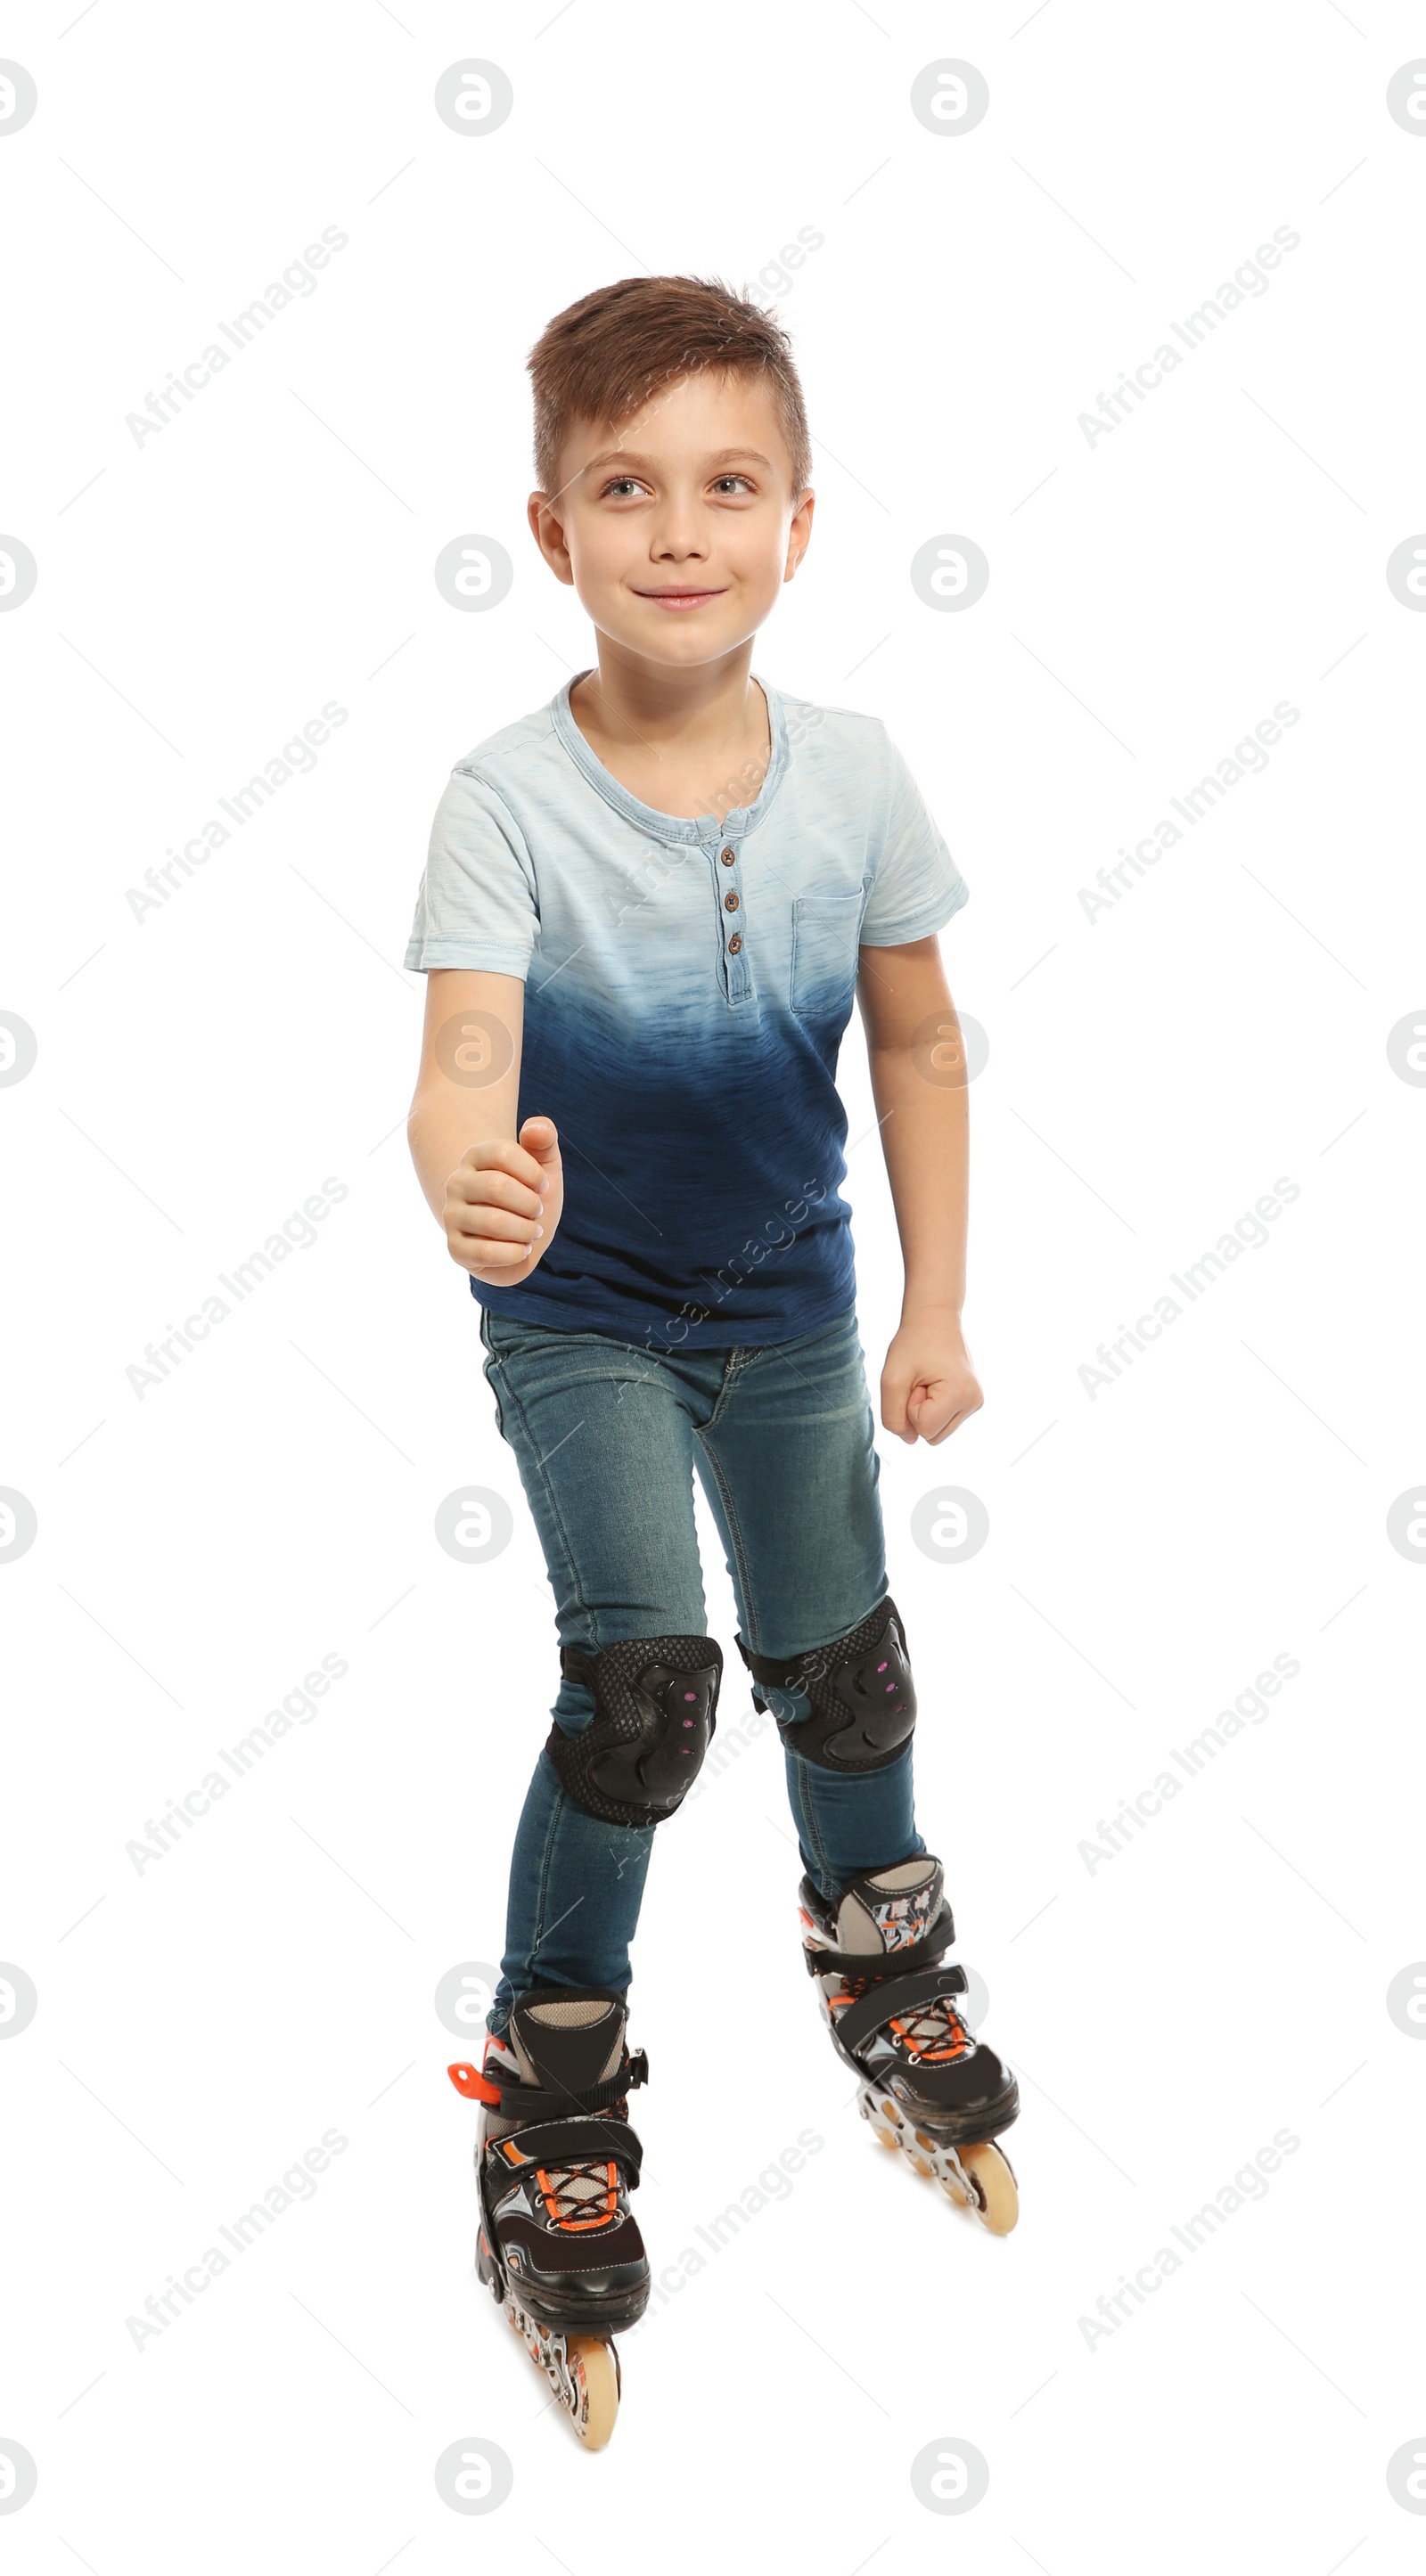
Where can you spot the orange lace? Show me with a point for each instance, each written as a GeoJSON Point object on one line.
{"type": "Point", "coordinates": [934, 2034]}
{"type": "Point", "coordinates": [569, 2206]}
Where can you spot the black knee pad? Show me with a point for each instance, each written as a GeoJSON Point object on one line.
{"type": "Point", "coordinates": [654, 1703]}
{"type": "Point", "coordinates": [859, 1692]}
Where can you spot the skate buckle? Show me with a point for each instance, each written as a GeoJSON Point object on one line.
{"type": "Point", "coordinates": [473, 2086]}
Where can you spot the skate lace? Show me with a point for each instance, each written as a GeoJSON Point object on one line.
{"type": "Point", "coordinates": [932, 2033]}
{"type": "Point", "coordinates": [584, 2194]}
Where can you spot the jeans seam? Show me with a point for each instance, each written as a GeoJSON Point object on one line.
{"type": "Point", "coordinates": [735, 1532]}
{"type": "Point", "coordinates": [807, 1802]}
{"type": "Point", "coordinates": [737, 1360]}
{"type": "Point", "coordinates": [548, 1489]}
{"type": "Point", "coordinates": [488, 1368]}
{"type": "Point", "coordinates": [546, 1864]}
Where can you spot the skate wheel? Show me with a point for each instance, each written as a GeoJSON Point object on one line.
{"type": "Point", "coordinates": [997, 2203]}
{"type": "Point", "coordinates": [594, 2369]}
{"type": "Point", "coordinates": [920, 2163]}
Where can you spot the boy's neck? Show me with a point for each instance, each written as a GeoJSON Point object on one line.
{"type": "Point", "coordinates": [685, 742]}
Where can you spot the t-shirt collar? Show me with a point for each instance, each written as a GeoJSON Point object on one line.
{"type": "Point", "coordinates": [736, 823]}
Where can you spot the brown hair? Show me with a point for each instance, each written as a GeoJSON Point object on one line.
{"type": "Point", "coordinates": [602, 358]}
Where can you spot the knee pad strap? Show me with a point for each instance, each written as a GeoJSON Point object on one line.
{"type": "Point", "coordinates": [654, 1714]}
{"type": "Point", "coordinates": [858, 1695]}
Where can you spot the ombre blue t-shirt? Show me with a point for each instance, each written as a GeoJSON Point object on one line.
{"type": "Point", "coordinates": [687, 985]}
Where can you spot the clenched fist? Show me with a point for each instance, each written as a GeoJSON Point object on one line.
{"type": "Point", "coordinates": [928, 1386]}
{"type": "Point", "coordinates": [503, 1203]}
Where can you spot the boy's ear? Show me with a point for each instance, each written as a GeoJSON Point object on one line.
{"type": "Point", "coordinates": [548, 534]}
{"type": "Point", "coordinates": [799, 534]}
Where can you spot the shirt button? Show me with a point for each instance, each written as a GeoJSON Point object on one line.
{"type": "Point", "coordinates": [730, 901]}
{"type": "Point", "coordinates": [728, 857]}
{"type": "Point", "coordinates": [735, 943]}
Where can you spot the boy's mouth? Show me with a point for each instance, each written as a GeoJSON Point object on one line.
{"type": "Point", "coordinates": [678, 598]}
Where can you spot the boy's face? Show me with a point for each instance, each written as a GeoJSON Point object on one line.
{"type": "Point", "coordinates": [678, 528]}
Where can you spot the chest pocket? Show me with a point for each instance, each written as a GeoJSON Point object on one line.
{"type": "Point", "coordinates": [824, 953]}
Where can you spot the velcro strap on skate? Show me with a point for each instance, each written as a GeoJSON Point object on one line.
{"type": "Point", "coordinates": [880, 1964]}
{"type": "Point", "coordinates": [570, 2142]}
{"type": "Point", "coordinates": [894, 1996]}
{"type": "Point", "coordinates": [520, 2098]}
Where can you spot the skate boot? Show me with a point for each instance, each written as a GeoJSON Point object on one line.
{"type": "Point", "coordinates": [925, 2084]}
{"type": "Point", "coordinates": [556, 2162]}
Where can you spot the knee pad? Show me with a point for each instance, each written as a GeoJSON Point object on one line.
{"type": "Point", "coordinates": [858, 1695]}
{"type": "Point", "coordinates": [654, 1704]}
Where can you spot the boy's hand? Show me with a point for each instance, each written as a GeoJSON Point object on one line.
{"type": "Point", "coordinates": [928, 1387]}
{"type": "Point", "coordinates": [503, 1203]}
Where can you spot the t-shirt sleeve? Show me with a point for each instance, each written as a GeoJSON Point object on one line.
{"type": "Point", "coordinates": [478, 902]}
{"type": "Point", "coordinates": [917, 885]}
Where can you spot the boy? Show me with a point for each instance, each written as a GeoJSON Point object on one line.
{"type": "Point", "coordinates": [645, 913]}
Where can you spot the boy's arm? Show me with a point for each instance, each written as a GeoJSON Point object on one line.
{"type": "Point", "coordinates": [498, 1196]}
{"type": "Point", "coordinates": [928, 1387]}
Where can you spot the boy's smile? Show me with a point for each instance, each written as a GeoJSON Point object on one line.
{"type": "Point", "coordinates": [679, 598]}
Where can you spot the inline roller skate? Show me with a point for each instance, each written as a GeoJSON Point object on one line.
{"type": "Point", "coordinates": [924, 2083]}
{"type": "Point", "coordinates": [556, 2161]}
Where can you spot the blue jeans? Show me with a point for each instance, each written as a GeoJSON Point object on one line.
{"type": "Point", "coordinates": [606, 1437]}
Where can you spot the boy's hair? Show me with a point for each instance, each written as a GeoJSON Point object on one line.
{"type": "Point", "coordinates": [602, 358]}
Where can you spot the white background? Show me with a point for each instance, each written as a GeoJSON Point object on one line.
{"type": "Point", "coordinates": [1151, 1073]}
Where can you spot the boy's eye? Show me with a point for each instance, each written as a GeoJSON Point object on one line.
{"type": "Point", "coordinates": [621, 487]}
{"type": "Point", "coordinates": [733, 482]}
